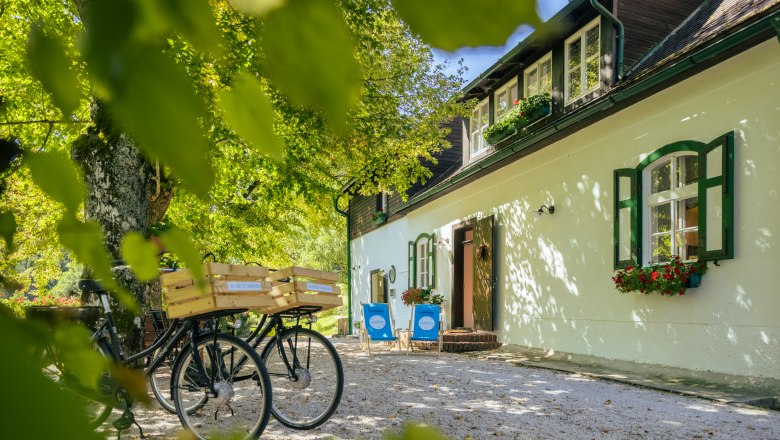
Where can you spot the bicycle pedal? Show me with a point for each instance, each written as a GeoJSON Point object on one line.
{"type": "Point", "coordinates": [124, 422]}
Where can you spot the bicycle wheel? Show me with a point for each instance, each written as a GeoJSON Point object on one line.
{"type": "Point", "coordinates": [52, 368]}
{"type": "Point", "coordinates": [160, 381]}
{"type": "Point", "coordinates": [239, 402]}
{"type": "Point", "coordinates": [309, 399]}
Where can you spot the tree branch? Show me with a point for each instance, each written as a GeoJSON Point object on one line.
{"type": "Point", "coordinates": [42, 121]}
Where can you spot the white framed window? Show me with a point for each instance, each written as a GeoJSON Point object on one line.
{"type": "Point", "coordinates": [504, 98]}
{"type": "Point", "coordinates": [538, 77]}
{"type": "Point", "coordinates": [422, 263]}
{"type": "Point", "coordinates": [678, 201]}
{"type": "Point", "coordinates": [583, 61]}
{"type": "Point", "coordinates": [480, 119]}
{"type": "Point", "coordinates": [671, 208]}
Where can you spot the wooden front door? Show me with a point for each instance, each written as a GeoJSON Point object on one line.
{"type": "Point", "coordinates": [484, 278]}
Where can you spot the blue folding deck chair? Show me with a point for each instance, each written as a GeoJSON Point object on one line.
{"type": "Point", "coordinates": [425, 325]}
{"type": "Point", "coordinates": [378, 325]}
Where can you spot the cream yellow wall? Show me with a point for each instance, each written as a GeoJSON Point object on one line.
{"type": "Point", "coordinates": [555, 289]}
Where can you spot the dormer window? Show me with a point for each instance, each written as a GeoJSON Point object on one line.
{"type": "Point", "coordinates": [583, 57]}
{"type": "Point", "coordinates": [478, 124]}
{"type": "Point", "coordinates": [504, 99]}
{"type": "Point", "coordinates": [538, 77]}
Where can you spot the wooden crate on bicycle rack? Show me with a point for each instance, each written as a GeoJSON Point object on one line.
{"type": "Point", "coordinates": [295, 287]}
{"type": "Point", "coordinates": [228, 286]}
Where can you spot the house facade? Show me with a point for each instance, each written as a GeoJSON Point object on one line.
{"type": "Point", "coordinates": [662, 140]}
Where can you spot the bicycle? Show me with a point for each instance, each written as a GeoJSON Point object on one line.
{"type": "Point", "coordinates": [306, 373]}
{"type": "Point", "coordinates": [219, 383]}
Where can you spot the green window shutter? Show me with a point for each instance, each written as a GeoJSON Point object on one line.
{"type": "Point", "coordinates": [412, 274]}
{"type": "Point", "coordinates": [626, 218]}
{"type": "Point", "coordinates": [431, 256]}
{"type": "Point", "coordinates": [716, 199]}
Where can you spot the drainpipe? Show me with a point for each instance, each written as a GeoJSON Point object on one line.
{"type": "Point", "coordinates": [620, 37]}
{"type": "Point", "coordinates": [345, 214]}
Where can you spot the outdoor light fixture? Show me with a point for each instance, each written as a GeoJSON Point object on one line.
{"type": "Point", "coordinates": [443, 241]}
{"type": "Point", "coordinates": [544, 209]}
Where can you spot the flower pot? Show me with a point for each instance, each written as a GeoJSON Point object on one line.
{"type": "Point", "coordinates": [536, 114]}
{"type": "Point", "coordinates": [379, 218]}
{"type": "Point", "coordinates": [498, 136]}
{"type": "Point", "coordinates": [694, 280]}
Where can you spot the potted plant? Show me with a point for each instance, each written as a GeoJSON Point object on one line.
{"type": "Point", "coordinates": [668, 279]}
{"type": "Point", "coordinates": [525, 112]}
{"type": "Point", "coordinates": [417, 295]}
{"type": "Point", "coordinates": [379, 217]}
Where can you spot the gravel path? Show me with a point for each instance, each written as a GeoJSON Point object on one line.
{"type": "Point", "coordinates": [468, 398]}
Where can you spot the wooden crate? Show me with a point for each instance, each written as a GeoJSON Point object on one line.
{"type": "Point", "coordinates": [295, 287]}
{"type": "Point", "coordinates": [228, 286]}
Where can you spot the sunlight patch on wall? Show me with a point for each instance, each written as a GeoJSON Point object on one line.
{"type": "Point", "coordinates": [555, 265]}
{"type": "Point", "coordinates": [742, 300]}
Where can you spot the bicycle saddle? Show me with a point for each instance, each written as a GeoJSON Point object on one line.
{"type": "Point", "coordinates": [90, 286]}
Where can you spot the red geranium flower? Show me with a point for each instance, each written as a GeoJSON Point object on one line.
{"type": "Point", "coordinates": [654, 275]}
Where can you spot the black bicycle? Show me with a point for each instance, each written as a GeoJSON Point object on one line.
{"type": "Point", "coordinates": [218, 383]}
{"type": "Point", "coordinates": [306, 373]}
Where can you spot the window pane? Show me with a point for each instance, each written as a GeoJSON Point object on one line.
{"type": "Point", "coordinates": [661, 246]}
{"type": "Point", "coordinates": [687, 170]}
{"type": "Point", "coordinates": [624, 234]}
{"type": "Point", "coordinates": [575, 55]}
{"type": "Point", "coordinates": [715, 218]}
{"type": "Point", "coordinates": [545, 78]}
{"type": "Point", "coordinates": [501, 104]}
{"type": "Point", "coordinates": [661, 178]}
{"type": "Point", "coordinates": [593, 73]}
{"type": "Point", "coordinates": [661, 218]}
{"type": "Point", "coordinates": [592, 43]}
{"type": "Point", "coordinates": [574, 85]}
{"type": "Point", "coordinates": [687, 223]}
{"type": "Point", "coordinates": [533, 88]}
{"type": "Point", "coordinates": [512, 96]}
{"type": "Point", "coordinates": [688, 211]}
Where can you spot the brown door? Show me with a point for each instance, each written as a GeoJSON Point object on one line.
{"type": "Point", "coordinates": [378, 294]}
{"type": "Point", "coordinates": [483, 284]}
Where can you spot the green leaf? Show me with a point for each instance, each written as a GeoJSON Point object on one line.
{"type": "Point", "coordinates": [178, 243]}
{"type": "Point", "coordinates": [56, 176]}
{"type": "Point", "coordinates": [52, 66]}
{"type": "Point", "coordinates": [86, 242]}
{"type": "Point", "coordinates": [141, 255]}
{"type": "Point", "coordinates": [108, 28]}
{"type": "Point", "coordinates": [444, 25]}
{"type": "Point", "coordinates": [75, 351]}
{"type": "Point", "coordinates": [65, 415]}
{"type": "Point", "coordinates": [247, 109]}
{"type": "Point", "coordinates": [309, 54]}
{"type": "Point", "coordinates": [194, 20]}
{"type": "Point", "coordinates": [257, 7]}
{"type": "Point", "coordinates": [8, 229]}
{"type": "Point", "coordinates": [158, 105]}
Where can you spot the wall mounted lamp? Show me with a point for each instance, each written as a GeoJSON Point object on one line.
{"type": "Point", "coordinates": [443, 241]}
{"type": "Point", "coordinates": [544, 209]}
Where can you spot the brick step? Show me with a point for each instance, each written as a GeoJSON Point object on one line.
{"type": "Point", "coordinates": [459, 347]}
{"type": "Point", "coordinates": [470, 337]}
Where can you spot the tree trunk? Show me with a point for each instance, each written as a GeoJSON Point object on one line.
{"type": "Point", "coordinates": [119, 185]}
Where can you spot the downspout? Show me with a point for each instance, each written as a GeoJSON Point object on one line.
{"type": "Point", "coordinates": [620, 37]}
{"type": "Point", "coordinates": [345, 214]}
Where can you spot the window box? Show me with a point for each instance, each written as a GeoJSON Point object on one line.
{"type": "Point", "coordinates": [378, 218]}
{"type": "Point", "coordinates": [525, 113]}
{"type": "Point", "coordinates": [693, 281]}
{"type": "Point", "coordinates": [668, 280]}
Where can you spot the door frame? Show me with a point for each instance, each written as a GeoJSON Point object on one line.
{"type": "Point", "coordinates": [458, 237]}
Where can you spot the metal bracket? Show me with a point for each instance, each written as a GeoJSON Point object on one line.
{"type": "Point", "coordinates": [776, 24]}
